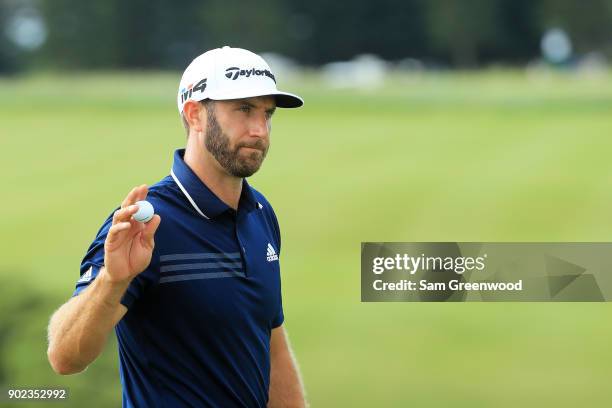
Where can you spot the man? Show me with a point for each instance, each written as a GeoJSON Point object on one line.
{"type": "Point", "coordinates": [198, 313]}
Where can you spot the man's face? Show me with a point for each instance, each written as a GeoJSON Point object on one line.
{"type": "Point", "coordinates": [238, 133]}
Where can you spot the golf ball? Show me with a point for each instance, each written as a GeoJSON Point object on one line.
{"type": "Point", "coordinates": [145, 211]}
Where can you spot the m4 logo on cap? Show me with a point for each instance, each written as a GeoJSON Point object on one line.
{"type": "Point", "coordinates": [234, 72]}
{"type": "Point", "coordinates": [187, 92]}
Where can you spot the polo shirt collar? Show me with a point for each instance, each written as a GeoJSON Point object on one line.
{"type": "Point", "coordinates": [202, 199]}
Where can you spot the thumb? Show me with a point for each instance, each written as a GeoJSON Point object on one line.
{"type": "Point", "coordinates": [149, 231]}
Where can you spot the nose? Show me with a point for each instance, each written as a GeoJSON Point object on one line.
{"type": "Point", "coordinates": [260, 126]}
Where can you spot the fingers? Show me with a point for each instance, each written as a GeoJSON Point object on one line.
{"type": "Point", "coordinates": [136, 228]}
{"type": "Point", "coordinates": [124, 214]}
{"type": "Point", "coordinates": [136, 194]}
{"type": "Point", "coordinates": [129, 200]}
{"type": "Point", "coordinates": [149, 231]}
{"type": "Point", "coordinates": [142, 192]}
{"type": "Point", "coordinates": [116, 233]}
{"type": "Point", "coordinates": [124, 227]}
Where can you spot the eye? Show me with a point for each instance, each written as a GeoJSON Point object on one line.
{"type": "Point", "coordinates": [245, 108]}
{"type": "Point", "coordinates": [269, 113]}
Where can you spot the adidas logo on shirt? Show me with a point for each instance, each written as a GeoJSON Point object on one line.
{"type": "Point", "coordinates": [271, 254]}
{"type": "Point", "coordinates": [86, 277]}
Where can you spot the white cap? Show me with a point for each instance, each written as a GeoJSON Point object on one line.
{"type": "Point", "coordinates": [231, 73]}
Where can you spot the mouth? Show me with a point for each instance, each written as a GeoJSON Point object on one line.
{"type": "Point", "coordinates": [253, 149]}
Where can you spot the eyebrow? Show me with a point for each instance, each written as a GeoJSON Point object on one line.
{"type": "Point", "coordinates": [249, 104]}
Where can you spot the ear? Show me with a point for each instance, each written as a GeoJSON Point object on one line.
{"type": "Point", "coordinates": [192, 111]}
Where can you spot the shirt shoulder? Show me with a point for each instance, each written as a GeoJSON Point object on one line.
{"type": "Point", "coordinates": [163, 187]}
{"type": "Point", "coordinates": [268, 212]}
{"type": "Point", "coordinates": [262, 200]}
{"type": "Point", "coordinates": [164, 195]}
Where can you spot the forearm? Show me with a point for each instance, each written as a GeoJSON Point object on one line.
{"type": "Point", "coordinates": [79, 329]}
{"type": "Point", "coordinates": [286, 387]}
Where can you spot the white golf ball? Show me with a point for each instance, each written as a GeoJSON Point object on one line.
{"type": "Point", "coordinates": [145, 211]}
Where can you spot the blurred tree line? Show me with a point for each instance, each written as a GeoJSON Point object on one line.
{"type": "Point", "coordinates": [165, 34]}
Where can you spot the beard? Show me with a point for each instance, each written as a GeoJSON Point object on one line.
{"type": "Point", "coordinates": [218, 144]}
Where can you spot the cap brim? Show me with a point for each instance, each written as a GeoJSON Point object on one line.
{"type": "Point", "coordinates": [287, 100]}
{"type": "Point", "coordinates": [283, 99]}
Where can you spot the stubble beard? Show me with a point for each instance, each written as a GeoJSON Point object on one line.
{"type": "Point", "coordinates": [218, 144]}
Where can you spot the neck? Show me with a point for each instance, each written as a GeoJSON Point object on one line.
{"type": "Point", "coordinates": [225, 186]}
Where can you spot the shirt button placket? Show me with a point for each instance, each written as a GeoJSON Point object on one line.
{"type": "Point", "coordinates": [242, 248]}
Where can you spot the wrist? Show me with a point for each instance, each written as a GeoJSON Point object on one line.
{"type": "Point", "coordinates": [109, 280]}
{"type": "Point", "coordinates": [111, 291]}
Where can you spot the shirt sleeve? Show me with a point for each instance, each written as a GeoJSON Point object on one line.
{"type": "Point", "coordinates": [280, 316]}
{"type": "Point", "coordinates": [94, 260]}
{"type": "Point", "coordinates": [276, 229]}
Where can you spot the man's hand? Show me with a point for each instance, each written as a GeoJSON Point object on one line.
{"type": "Point", "coordinates": [129, 245]}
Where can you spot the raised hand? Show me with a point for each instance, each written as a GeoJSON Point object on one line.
{"type": "Point", "coordinates": [129, 243]}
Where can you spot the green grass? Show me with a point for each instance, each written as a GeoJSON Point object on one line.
{"type": "Point", "coordinates": [489, 156]}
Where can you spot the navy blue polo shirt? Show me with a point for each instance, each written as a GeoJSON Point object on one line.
{"type": "Point", "coordinates": [197, 330]}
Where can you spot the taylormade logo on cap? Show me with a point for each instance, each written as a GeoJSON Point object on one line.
{"type": "Point", "coordinates": [235, 72]}
{"type": "Point", "coordinates": [249, 76]}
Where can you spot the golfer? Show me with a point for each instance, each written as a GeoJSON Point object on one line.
{"type": "Point", "coordinates": [194, 295]}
